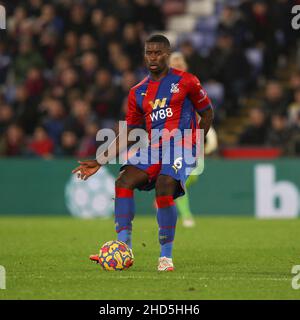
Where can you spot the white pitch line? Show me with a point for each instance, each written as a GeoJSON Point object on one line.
{"type": "Point", "coordinates": [205, 278]}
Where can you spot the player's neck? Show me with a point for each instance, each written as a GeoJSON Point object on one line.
{"type": "Point", "coordinates": [157, 76]}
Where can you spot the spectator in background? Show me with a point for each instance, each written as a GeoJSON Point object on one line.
{"type": "Point", "coordinates": [15, 21]}
{"type": "Point", "coordinates": [261, 23]}
{"type": "Point", "coordinates": [71, 44]}
{"type": "Point", "coordinates": [293, 85]}
{"type": "Point", "coordinates": [5, 62]}
{"type": "Point", "coordinates": [177, 61]}
{"type": "Point", "coordinates": [122, 9]}
{"type": "Point", "coordinates": [49, 20]}
{"type": "Point", "coordinates": [132, 44]}
{"type": "Point", "coordinates": [87, 44]}
{"type": "Point", "coordinates": [230, 67]}
{"type": "Point", "coordinates": [34, 8]}
{"type": "Point", "coordinates": [89, 64]}
{"type": "Point", "coordinates": [294, 144]}
{"type": "Point", "coordinates": [198, 65]}
{"type": "Point", "coordinates": [54, 120]}
{"type": "Point", "coordinates": [114, 51]}
{"type": "Point", "coordinates": [65, 51]}
{"type": "Point", "coordinates": [34, 83]}
{"type": "Point", "coordinates": [26, 58]}
{"type": "Point", "coordinates": [12, 143]}
{"type": "Point", "coordinates": [69, 99]}
{"type": "Point", "coordinates": [255, 133]}
{"type": "Point", "coordinates": [294, 108]}
{"type": "Point", "coordinates": [26, 109]}
{"type": "Point", "coordinates": [145, 11]}
{"type": "Point", "coordinates": [78, 20]}
{"type": "Point", "coordinates": [6, 117]}
{"type": "Point", "coordinates": [41, 144]}
{"type": "Point", "coordinates": [49, 47]}
{"type": "Point", "coordinates": [110, 31]}
{"type": "Point", "coordinates": [286, 36]}
{"type": "Point", "coordinates": [68, 144]}
{"type": "Point", "coordinates": [62, 63]}
{"type": "Point", "coordinates": [97, 16]}
{"type": "Point", "coordinates": [121, 65]}
{"type": "Point", "coordinates": [274, 100]}
{"type": "Point", "coordinates": [88, 144]}
{"type": "Point", "coordinates": [231, 22]}
{"type": "Point", "coordinates": [105, 97]}
{"type": "Point", "coordinates": [69, 80]}
{"type": "Point", "coordinates": [80, 115]}
{"type": "Point", "coordinates": [279, 134]}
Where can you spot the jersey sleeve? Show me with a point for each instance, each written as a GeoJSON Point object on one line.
{"type": "Point", "coordinates": [198, 95]}
{"type": "Point", "coordinates": [134, 115]}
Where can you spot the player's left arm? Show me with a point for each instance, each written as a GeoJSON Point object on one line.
{"type": "Point", "coordinates": [201, 102]}
{"type": "Point", "coordinates": [206, 119]}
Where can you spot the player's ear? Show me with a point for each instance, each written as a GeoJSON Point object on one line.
{"type": "Point", "coordinates": [168, 53]}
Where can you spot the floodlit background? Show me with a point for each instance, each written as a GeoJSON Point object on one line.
{"type": "Point", "coordinates": [66, 67]}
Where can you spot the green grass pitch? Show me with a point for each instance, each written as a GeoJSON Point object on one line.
{"type": "Point", "coordinates": [221, 258]}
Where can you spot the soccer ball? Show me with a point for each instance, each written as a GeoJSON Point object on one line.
{"type": "Point", "coordinates": [115, 255]}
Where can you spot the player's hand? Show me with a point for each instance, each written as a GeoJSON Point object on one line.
{"type": "Point", "coordinates": [86, 169]}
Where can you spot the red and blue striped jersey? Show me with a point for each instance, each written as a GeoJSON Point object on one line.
{"type": "Point", "coordinates": [170, 103]}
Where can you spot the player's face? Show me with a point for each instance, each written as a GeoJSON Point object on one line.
{"type": "Point", "coordinates": [156, 57]}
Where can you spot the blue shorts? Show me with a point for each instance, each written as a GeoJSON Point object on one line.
{"type": "Point", "coordinates": [176, 162]}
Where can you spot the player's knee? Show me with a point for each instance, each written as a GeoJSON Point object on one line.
{"type": "Point", "coordinates": [127, 179]}
{"type": "Point", "coordinates": [165, 186]}
{"type": "Point", "coordinates": [123, 182]}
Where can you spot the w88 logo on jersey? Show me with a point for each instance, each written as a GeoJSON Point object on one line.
{"type": "Point", "coordinates": [161, 114]}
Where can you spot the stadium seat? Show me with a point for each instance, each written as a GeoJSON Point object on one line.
{"type": "Point", "coordinates": [200, 7]}
{"type": "Point", "coordinates": [201, 41]}
{"type": "Point", "coordinates": [207, 24]}
{"type": "Point", "coordinates": [182, 23]}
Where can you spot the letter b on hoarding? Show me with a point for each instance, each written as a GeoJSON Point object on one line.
{"type": "Point", "coordinates": [2, 278]}
{"type": "Point", "coordinates": [2, 18]}
{"type": "Point", "coordinates": [268, 190]}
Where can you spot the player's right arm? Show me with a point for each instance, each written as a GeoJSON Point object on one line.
{"type": "Point", "coordinates": [89, 167]}
{"type": "Point", "coordinates": [134, 119]}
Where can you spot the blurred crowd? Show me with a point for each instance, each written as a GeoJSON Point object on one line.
{"type": "Point", "coordinates": [276, 122]}
{"type": "Point", "coordinates": [66, 68]}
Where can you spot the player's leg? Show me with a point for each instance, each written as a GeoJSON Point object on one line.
{"type": "Point", "coordinates": [129, 179]}
{"type": "Point", "coordinates": [184, 210]}
{"type": "Point", "coordinates": [183, 204]}
{"type": "Point", "coordinates": [166, 216]}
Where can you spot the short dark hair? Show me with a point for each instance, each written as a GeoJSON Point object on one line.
{"type": "Point", "coordinates": [159, 38]}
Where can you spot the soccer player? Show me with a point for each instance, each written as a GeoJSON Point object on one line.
{"type": "Point", "coordinates": [166, 99]}
{"type": "Point", "coordinates": [177, 61]}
